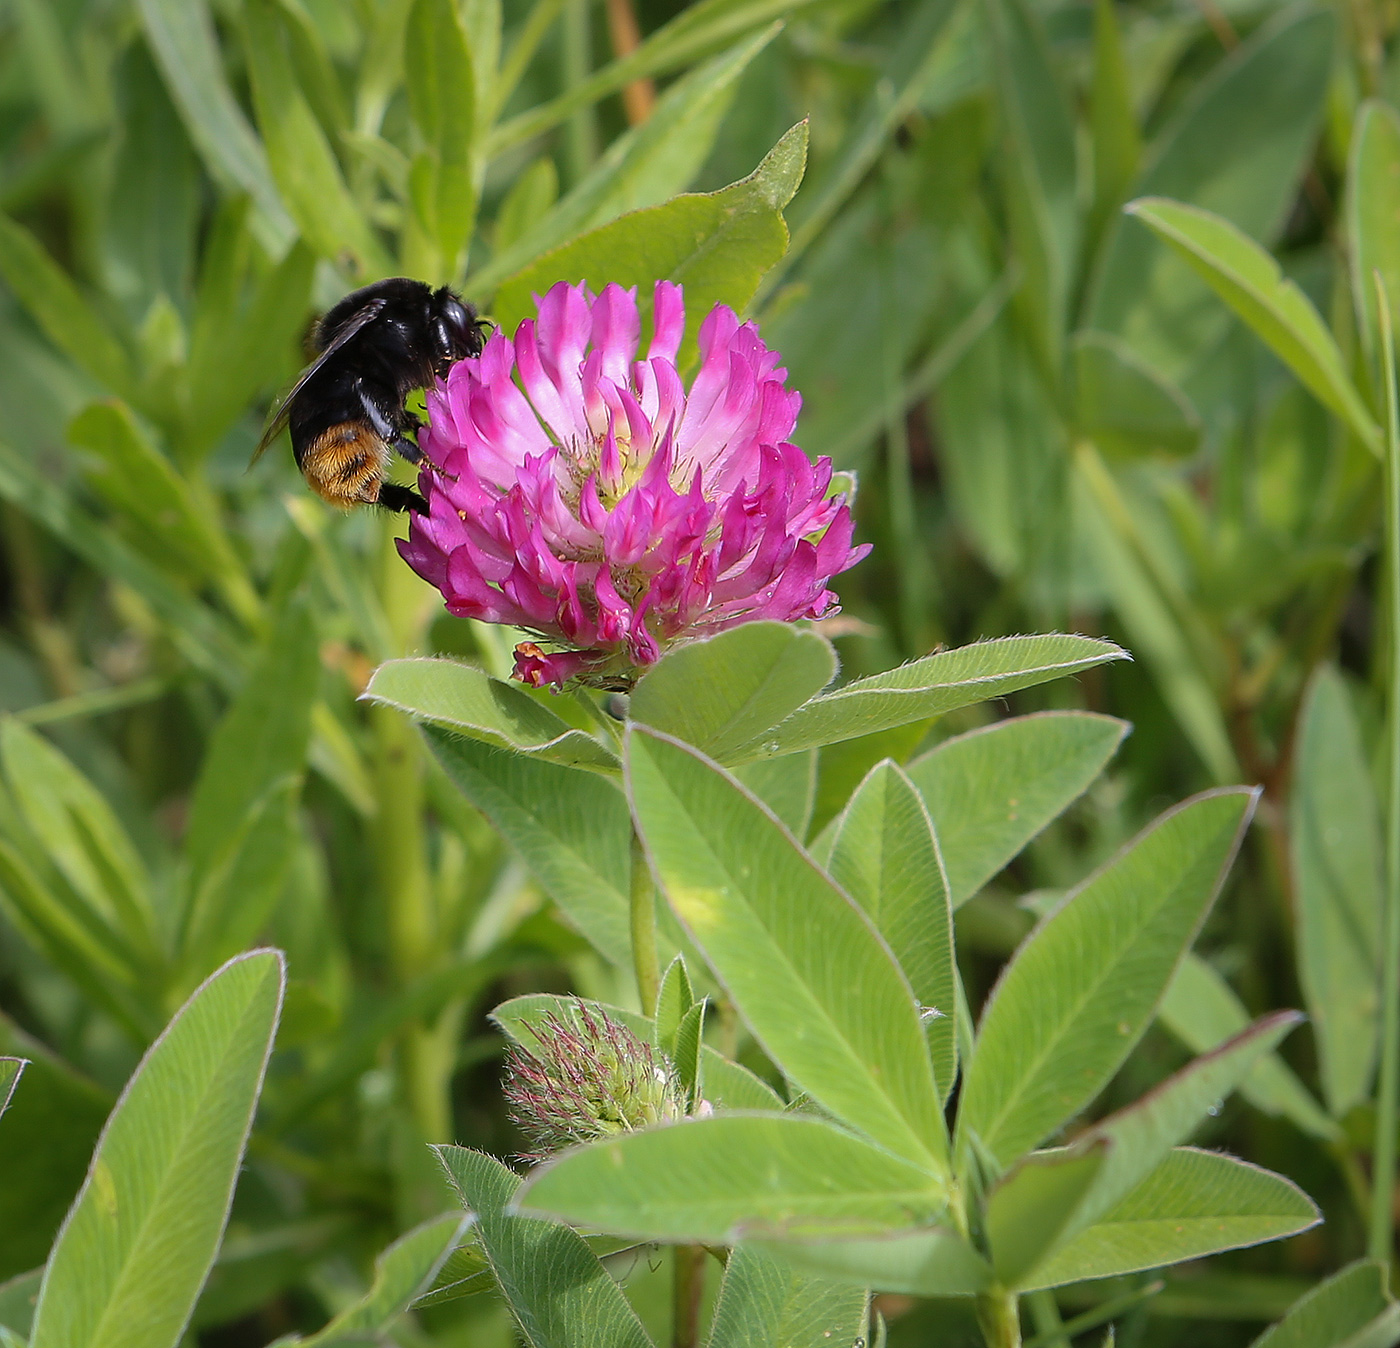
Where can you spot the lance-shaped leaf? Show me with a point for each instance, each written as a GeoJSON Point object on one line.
{"type": "Point", "coordinates": [141, 1236]}
{"type": "Point", "coordinates": [449, 693]}
{"type": "Point", "coordinates": [885, 856]}
{"type": "Point", "coordinates": [1124, 406]}
{"type": "Point", "coordinates": [1195, 1203]}
{"type": "Point", "coordinates": [558, 1291]}
{"type": "Point", "coordinates": [1248, 279]}
{"type": "Point", "coordinates": [1084, 986]}
{"type": "Point", "coordinates": [930, 687]}
{"type": "Point", "coordinates": [990, 791]}
{"type": "Point", "coordinates": [727, 1084]}
{"type": "Point", "coordinates": [1144, 1132]}
{"type": "Point", "coordinates": [721, 694]}
{"type": "Point", "coordinates": [402, 1273]}
{"type": "Point", "coordinates": [734, 1177]}
{"type": "Point", "coordinates": [1334, 1314]}
{"type": "Point", "coordinates": [804, 965]}
{"type": "Point", "coordinates": [763, 1302]}
{"type": "Point", "coordinates": [1202, 1011]}
{"type": "Point", "coordinates": [1035, 1206]}
{"type": "Point", "coordinates": [570, 828]}
{"type": "Point", "coordinates": [10, 1070]}
{"type": "Point", "coordinates": [17, 1296]}
{"type": "Point", "coordinates": [934, 1261]}
{"type": "Point", "coordinates": [1335, 839]}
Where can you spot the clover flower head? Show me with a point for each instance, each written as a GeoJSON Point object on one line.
{"type": "Point", "coordinates": [592, 499]}
{"type": "Point", "coordinates": [587, 1077]}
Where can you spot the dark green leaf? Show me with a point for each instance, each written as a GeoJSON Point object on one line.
{"type": "Point", "coordinates": [1337, 1309]}
{"type": "Point", "coordinates": [556, 1288]}
{"type": "Point", "coordinates": [1124, 406]}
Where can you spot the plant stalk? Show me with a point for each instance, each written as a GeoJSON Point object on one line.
{"type": "Point", "coordinates": [643, 915]}
{"type": "Point", "coordinates": [999, 1319]}
{"type": "Point", "coordinates": [1381, 1234]}
{"type": "Point", "coordinates": [688, 1271]}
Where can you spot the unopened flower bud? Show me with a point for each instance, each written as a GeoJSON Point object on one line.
{"type": "Point", "coordinates": [586, 1079]}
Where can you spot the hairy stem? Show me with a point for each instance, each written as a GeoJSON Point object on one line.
{"type": "Point", "coordinates": [999, 1319]}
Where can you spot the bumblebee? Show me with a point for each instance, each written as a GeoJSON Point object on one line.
{"type": "Point", "coordinates": [346, 411]}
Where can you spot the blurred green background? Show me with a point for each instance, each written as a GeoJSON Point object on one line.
{"type": "Point", "coordinates": [1055, 426]}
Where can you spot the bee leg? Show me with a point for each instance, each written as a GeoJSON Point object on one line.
{"type": "Point", "coordinates": [401, 499]}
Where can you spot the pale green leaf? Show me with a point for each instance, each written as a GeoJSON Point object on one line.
{"type": "Point", "coordinates": [1032, 1209]}
{"type": "Point", "coordinates": [1083, 988]}
{"type": "Point", "coordinates": [764, 1303]}
{"type": "Point", "coordinates": [1195, 1203]}
{"type": "Point", "coordinates": [466, 699]}
{"type": "Point", "coordinates": [1248, 279]}
{"type": "Point", "coordinates": [845, 1030]}
{"type": "Point", "coordinates": [1336, 1310]}
{"type": "Point", "coordinates": [141, 1235]}
{"type": "Point", "coordinates": [734, 1177]}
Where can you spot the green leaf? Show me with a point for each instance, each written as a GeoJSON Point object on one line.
{"type": "Point", "coordinates": [1113, 126]}
{"type": "Point", "coordinates": [718, 245]}
{"type": "Point", "coordinates": [558, 1291]}
{"type": "Point", "coordinates": [1238, 145]}
{"type": "Point", "coordinates": [140, 1238]}
{"type": "Point", "coordinates": [1032, 1209]}
{"type": "Point", "coordinates": [1039, 171]}
{"type": "Point", "coordinates": [470, 701]}
{"type": "Point", "coordinates": [442, 103]}
{"type": "Point", "coordinates": [1124, 406]}
{"type": "Point", "coordinates": [786, 785]}
{"type": "Point", "coordinates": [644, 166]}
{"type": "Point", "coordinates": [463, 1272]}
{"type": "Point", "coordinates": [673, 1001]}
{"type": "Point", "coordinates": [1335, 838]}
{"type": "Point", "coordinates": [570, 828]}
{"type": "Point", "coordinates": [1248, 279]}
{"type": "Point", "coordinates": [1083, 988]}
{"type": "Point", "coordinates": [67, 319]}
{"type": "Point", "coordinates": [303, 164]}
{"type": "Point", "coordinates": [934, 1261]}
{"type": "Point", "coordinates": [727, 1084]}
{"type": "Point", "coordinates": [155, 502]}
{"type": "Point", "coordinates": [735, 1177]}
{"type": "Point", "coordinates": [79, 834]}
{"type": "Point", "coordinates": [721, 694]}
{"type": "Point", "coordinates": [53, 1123]}
{"type": "Point", "coordinates": [17, 1297]}
{"type": "Point", "coordinates": [402, 1273]}
{"type": "Point", "coordinates": [1372, 207]}
{"type": "Point", "coordinates": [932, 686]}
{"type": "Point", "coordinates": [1194, 1204]}
{"type": "Point", "coordinates": [240, 823]}
{"type": "Point", "coordinates": [1143, 1133]}
{"type": "Point", "coordinates": [886, 857]}
{"type": "Point", "coordinates": [1337, 1309]}
{"type": "Point", "coordinates": [11, 1070]}
{"type": "Point", "coordinates": [1202, 1011]}
{"type": "Point", "coordinates": [763, 1303]}
{"type": "Point", "coordinates": [990, 791]}
{"type": "Point", "coordinates": [182, 39]}
{"type": "Point", "coordinates": [768, 921]}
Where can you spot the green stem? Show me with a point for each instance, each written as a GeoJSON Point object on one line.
{"type": "Point", "coordinates": [643, 913]}
{"type": "Point", "coordinates": [999, 1319]}
{"type": "Point", "coordinates": [1382, 1224]}
{"type": "Point", "coordinates": [581, 134]}
{"type": "Point", "coordinates": [400, 850]}
{"type": "Point", "coordinates": [688, 1267]}
{"type": "Point", "coordinates": [1045, 1313]}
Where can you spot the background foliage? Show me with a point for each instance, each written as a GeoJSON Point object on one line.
{"type": "Point", "coordinates": [1056, 423]}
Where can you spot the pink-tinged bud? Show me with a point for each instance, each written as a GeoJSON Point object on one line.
{"type": "Point", "coordinates": [587, 496]}
{"type": "Point", "coordinates": [587, 1079]}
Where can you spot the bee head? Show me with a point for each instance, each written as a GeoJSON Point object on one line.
{"type": "Point", "coordinates": [456, 331]}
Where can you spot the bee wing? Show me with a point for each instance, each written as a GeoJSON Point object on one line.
{"type": "Point", "coordinates": [275, 425]}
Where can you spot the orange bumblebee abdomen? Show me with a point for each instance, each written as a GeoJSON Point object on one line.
{"type": "Point", "coordinates": [345, 464]}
